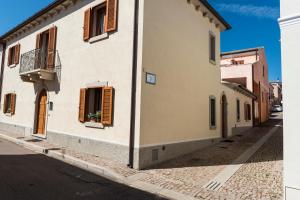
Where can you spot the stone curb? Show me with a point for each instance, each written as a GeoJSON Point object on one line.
{"type": "Point", "coordinates": [101, 171]}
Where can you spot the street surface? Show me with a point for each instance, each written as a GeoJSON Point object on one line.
{"type": "Point", "coordinates": [25, 175]}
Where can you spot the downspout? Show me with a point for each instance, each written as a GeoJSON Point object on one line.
{"type": "Point", "coordinates": [2, 67]}
{"type": "Point", "coordinates": [133, 84]}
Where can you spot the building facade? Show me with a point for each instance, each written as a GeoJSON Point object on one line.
{"type": "Point", "coordinates": [276, 93]}
{"type": "Point", "coordinates": [111, 78]}
{"type": "Point", "coordinates": [290, 30]}
{"type": "Point", "coordinates": [249, 68]}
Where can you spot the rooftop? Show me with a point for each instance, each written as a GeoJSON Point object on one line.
{"type": "Point", "coordinates": [242, 51]}
{"type": "Point", "coordinates": [57, 3]}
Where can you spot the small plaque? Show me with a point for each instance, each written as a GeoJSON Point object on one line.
{"type": "Point", "coordinates": [150, 78]}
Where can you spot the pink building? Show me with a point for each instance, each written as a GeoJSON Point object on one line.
{"type": "Point", "coordinates": [249, 68]}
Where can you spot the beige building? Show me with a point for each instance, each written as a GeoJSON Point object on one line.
{"type": "Point", "coordinates": [112, 78]}
{"type": "Point", "coordinates": [249, 68]}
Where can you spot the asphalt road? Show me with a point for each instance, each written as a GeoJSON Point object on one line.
{"type": "Point", "coordinates": [25, 175]}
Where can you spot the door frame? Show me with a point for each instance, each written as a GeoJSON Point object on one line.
{"type": "Point", "coordinates": [224, 116]}
{"type": "Point", "coordinates": [34, 133]}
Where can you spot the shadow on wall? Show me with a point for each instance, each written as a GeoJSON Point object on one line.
{"type": "Point", "coordinates": [226, 151]}
{"type": "Point", "coordinates": [35, 177]}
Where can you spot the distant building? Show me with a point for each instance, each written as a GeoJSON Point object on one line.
{"type": "Point", "coordinates": [276, 93]}
{"type": "Point", "coordinates": [249, 68]}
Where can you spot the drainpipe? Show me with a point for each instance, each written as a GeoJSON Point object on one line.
{"type": "Point", "coordinates": [2, 67]}
{"type": "Point", "coordinates": [133, 85]}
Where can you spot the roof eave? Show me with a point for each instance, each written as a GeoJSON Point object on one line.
{"type": "Point", "coordinates": [33, 17]}
{"type": "Point", "coordinates": [216, 14]}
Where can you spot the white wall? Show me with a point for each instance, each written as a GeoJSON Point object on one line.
{"type": "Point", "coordinates": [239, 71]}
{"type": "Point", "coordinates": [289, 7]}
{"type": "Point", "coordinates": [290, 31]}
{"type": "Point", "coordinates": [109, 60]}
{"type": "Point", "coordinates": [232, 97]}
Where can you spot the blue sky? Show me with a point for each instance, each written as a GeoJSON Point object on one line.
{"type": "Point", "coordinates": [254, 23]}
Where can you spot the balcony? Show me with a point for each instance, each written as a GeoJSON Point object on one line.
{"type": "Point", "coordinates": [38, 65]}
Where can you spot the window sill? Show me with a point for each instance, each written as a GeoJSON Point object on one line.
{"type": "Point", "coordinates": [8, 114]}
{"type": "Point", "coordinates": [94, 125]}
{"type": "Point", "coordinates": [98, 38]}
{"type": "Point", "coordinates": [212, 62]}
{"type": "Point", "coordinates": [12, 66]}
{"type": "Point", "coordinates": [213, 127]}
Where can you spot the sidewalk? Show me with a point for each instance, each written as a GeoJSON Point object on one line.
{"type": "Point", "coordinates": [186, 177]}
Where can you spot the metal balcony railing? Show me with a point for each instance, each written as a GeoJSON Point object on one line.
{"type": "Point", "coordinates": [38, 59]}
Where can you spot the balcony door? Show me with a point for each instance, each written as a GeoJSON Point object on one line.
{"type": "Point", "coordinates": [44, 49]}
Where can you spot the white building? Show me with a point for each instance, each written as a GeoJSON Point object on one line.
{"type": "Point", "coordinates": [125, 79]}
{"type": "Point", "coordinates": [290, 44]}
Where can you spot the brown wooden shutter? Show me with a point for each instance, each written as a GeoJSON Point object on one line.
{"type": "Point", "coordinates": [5, 104]}
{"type": "Point", "coordinates": [17, 54]}
{"type": "Point", "coordinates": [81, 115]}
{"type": "Point", "coordinates": [111, 15]}
{"type": "Point", "coordinates": [38, 41]}
{"type": "Point", "coordinates": [9, 57]}
{"type": "Point", "coordinates": [87, 25]}
{"type": "Point", "coordinates": [12, 103]}
{"type": "Point", "coordinates": [107, 105]}
{"type": "Point", "coordinates": [51, 48]}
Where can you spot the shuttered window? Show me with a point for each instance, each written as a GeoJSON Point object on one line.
{"type": "Point", "coordinates": [51, 48]}
{"type": "Point", "coordinates": [96, 105]}
{"type": "Point", "coordinates": [14, 55]}
{"type": "Point", "coordinates": [100, 19]}
{"type": "Point", "coordinates": [46, 48]}
{"type": "Point", "coordinates": [238, 110]}
{"type": "Point", "coordinates": [247, 111]}
{"type": "Point", "coordinates": [212, 112]}
{"type": "Point", "coordinates": [9, 103]}
{"type": "Point", "coordinates": [212, 47]}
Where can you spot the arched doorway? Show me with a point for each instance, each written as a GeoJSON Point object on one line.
{"type": "Point", "coordinates": [41, 113]}
{"type": "Point", "coordinates": [224, 116]}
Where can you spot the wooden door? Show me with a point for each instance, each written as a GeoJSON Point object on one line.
{"type": "Point", "coordinates": [41, 113]}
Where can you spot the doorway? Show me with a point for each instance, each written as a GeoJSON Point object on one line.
{"type": "Point", "coordinates": [224, 116]}
{"type": "Point", "coordinates": [41, 113]}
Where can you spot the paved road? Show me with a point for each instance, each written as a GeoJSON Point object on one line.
{"type": "Point", "coordinates": [25, 175]}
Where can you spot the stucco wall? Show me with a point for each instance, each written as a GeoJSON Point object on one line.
{"type": "Point", "coordinates": [233, 124]}
{"type": "Point", "coordinates": [176, 49]}
{"type": "Point", "coordinates": [109, 60]}
{"type": "Point", "coordinates": [290, 43]}
{"type": "Point", "coordinates": [263, 79]}
{"type": "Point", "coordinates": [238, 71]}
{"type": "Point", "coordinates": [289, 8]}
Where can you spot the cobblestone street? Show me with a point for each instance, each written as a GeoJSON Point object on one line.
{"type": "Point", "coordinates": [259, 177]}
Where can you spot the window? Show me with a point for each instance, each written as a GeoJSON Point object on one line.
{"type": "Point", "coordinates": [238, 110]}
{"type": "Point", "coordinates": [247, 111]}
{"type": "Point", "coordinates": [14, 55]}
{"type": "Point", "coordinates": [212, 47]}
{"type": "Point", "coordinates": [46, 49]}
{"type": "Point", "coordinates": [9, 103]}
{"type": "Point", "coordinates": [100, 19]}
{"type": "Point", "coordinates": [212, 112]}
{"type": "Point", "coordinates": [96, 105]}
{"type": "Point", "coordinates": [237, 62]}
{"type": "Point", "coordinates": [263, 71]}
